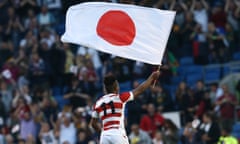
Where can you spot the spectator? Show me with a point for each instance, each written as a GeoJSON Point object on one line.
{"type": "Point", "coordinates": [138, 136]}
{"type": "Point", "coordinates": [14, 32]}
{"type": "Point", "coordinates": [5, 52]}
{"type": "Point", "coordinates": [188, 135]}
{"type": "Point", "coordinates": [161, 99]}
{"type": "Point", "coordinates": [230, 9]}
{"type": "Point", "coordinates": [37, 71]}
{"type": "Point", "coordinates": [25, 92]}
{"type": "Point", "coordinates": [137, 107]}
{"type": "Point", "coordinates": [185, 102]}
{"type": "Point", "coordinates": [90, 54]}
{"type": "Point", "coordinates": [216, 44]}
{"type": "Point", "coordinates": [227, 103]}
{"type": "Point", "coordinates": [13, 71]}
{"type": "Point", "coordinates": [75, 95]}
{"type": "Point", "coordinates": [199, 9]}
{"type": "Point", "coordinates": [186, 31]}
{"type": "Point", "coordinates": [9, 139]}
{"type": "Point", "coordinates": [6, 97]}
{"type": "Point", "coordinates": [88, 78]}
{"type": "Point", "coordinates": [27, 125]}
{"type": "Point", "coordinates": [213, 92]}
{"type": "Point", "coordinates": [170, 134]}
{"type": "Point", "coordinates": [226, 136]}
{"type": "Point", "coordinates": [204, 106]}
{"type": "Point", "coordinates": [199, 46]}
{"type": "Point", "coordinates": [30, 17]}
{"type": "Point", "coordinates": [46, 134]}
{"type": "Point", "coordinates": [45, 18]}
{"type": "Point", "coordinates": [209, 130]}
{"type": "Point", "coordinates": [199, 91]}
{"type": "Point", "coordinates": [218, 15]}
{"type": "Point", "coordinates": [65, 129]}
{"type": "Point", "coordinates": [3, 114]}
{"type": "Point", "coordinates": [158, 138]}
{"type": "Point", "coordinates": [152, 121]}
{"type": "Point", "coordinates": [24, 5]}
{"type": "Point", "coordinates": [83, 137]}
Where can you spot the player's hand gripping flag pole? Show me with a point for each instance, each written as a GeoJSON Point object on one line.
{"type": "Point", "coordinates": [128, 31]}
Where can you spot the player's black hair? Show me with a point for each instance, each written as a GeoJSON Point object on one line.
{"type": "Point", "coordinates": [110, 83]}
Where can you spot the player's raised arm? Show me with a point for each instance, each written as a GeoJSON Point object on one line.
{"type": "Point", "coordinates": [146, 84]}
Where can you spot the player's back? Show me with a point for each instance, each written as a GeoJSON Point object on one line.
{"type": "Point", "coordinates": [110, 109]}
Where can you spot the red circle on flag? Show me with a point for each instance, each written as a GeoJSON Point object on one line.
{"type": "Point", "coordinates": [116, 27]}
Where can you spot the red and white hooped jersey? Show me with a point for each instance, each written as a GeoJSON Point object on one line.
{"type": "Point", "coordinates": [110, 109]}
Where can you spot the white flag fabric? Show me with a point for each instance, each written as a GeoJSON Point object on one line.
{"type": "Point", "coordinates": [127, 31]}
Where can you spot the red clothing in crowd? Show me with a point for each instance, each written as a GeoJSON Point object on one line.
{"type": "Point", "coordinates": [151, 124]}
{"type": "Point", "coordinates": [227, 109]}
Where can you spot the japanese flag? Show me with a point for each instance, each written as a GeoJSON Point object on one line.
{"type": "Point", "coordinates": [128, 31]}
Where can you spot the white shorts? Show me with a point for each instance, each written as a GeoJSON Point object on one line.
{"type": "Point", "coordinates": [113, 138]}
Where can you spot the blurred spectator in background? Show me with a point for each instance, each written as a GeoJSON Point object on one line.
{"type": "Point", "coordinates": [23, 6]}
{"type": "Point", "coordinates": [66, 131]}
{"type": "Point", "coordinates": [217, 44]}
{"type": "Point", "coordinates": [6, 97]}
{"type": "Point", "coordinates": [170, 134]}
{"type": "Point", "coordinates": [158, 138]}
{"type": "Point", "coordinates": [14, 32]}
{"type": "Point", "coordinates": [205, 105]}
{"type": "Point", "coordinates": [161, 99]}
{"type": "Point", "coordinates": [186, 31]}
{"type": "Point", "coordinates": [227, 103]}
{"type": "Point", "coordinates": [137, 107]}
{"type": "Point", "coordinates": [45, 18]}
{"type": "Point", "coordinates": [75, 95]}
{"type": "Point", "coordinates": [138, 136]}
{"type": "Point", "coordinates": [226, 136]}
{"type": "Point", "coordinates": [188, 135]}
{"type": "Point", "coordinates": [199, 10]}
{"type": "Point", "coordinates": [199, 91]}
{"type": "Point", "coordinates": [88, 78]}
{"type": "Point", "coordinates": [218, 16]}
{"type": "Point", "coordinates": [6, 52]}
{"type": "Point", "coordinates": [209, 130]}
{"type": "Point", "coordinates": [27, 125]}
{"type": "Point", "coordinates": [13, 71]}
{"type": "Point", "coordinates": [186, 102]}
{"type": "Point", "coordinates": [152, 121]}
{"type": "Point", "coordinates": [46, 134]}
{"type": "Point", "coordinates": [9, 139]}
{"type": "Point", "coordinates": [83, 137]}
{"type": "Point", "coordinates": [199, 45]}
{"type": "Point", "coordinates": [37, 71]}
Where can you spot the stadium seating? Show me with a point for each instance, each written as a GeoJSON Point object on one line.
{"type": "Point", "coordinates": [236, 56]}
{"type": "Point", "coordinates": [212, 73]}
{"type": "Point", "coordinates": [191, 79]}
{"type": "Point", "coordinates": [186, 61]}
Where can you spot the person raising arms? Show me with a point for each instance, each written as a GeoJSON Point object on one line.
{"type": "Point", "coordinates": [110, 109]}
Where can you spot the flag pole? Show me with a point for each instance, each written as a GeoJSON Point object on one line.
{"type": "Point", "coordinates": [158, 69]}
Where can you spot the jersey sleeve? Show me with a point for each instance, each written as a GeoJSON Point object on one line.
{"type": "Point", "coordinates": [126, 96]}
{"type": "Point", "coordinates": [95, 113]}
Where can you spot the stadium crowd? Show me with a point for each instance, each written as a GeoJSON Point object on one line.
{"type": "Point", "coordinates": [47, 88]}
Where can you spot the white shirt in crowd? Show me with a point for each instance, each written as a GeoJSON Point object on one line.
{"type": "Point", "coordinates": [201, 17]}
{"type": "Point", "coordinates": [93, 54]}
{"type": "Point", "coordinates": [48, 138]}
{"type": "Point", "coordinates": [68, 134]}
